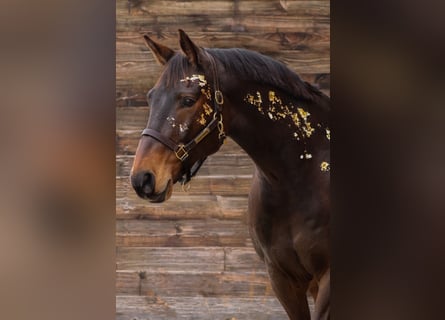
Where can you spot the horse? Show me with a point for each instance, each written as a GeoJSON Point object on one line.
{"type": "Point", "coordinates": [282, 122]}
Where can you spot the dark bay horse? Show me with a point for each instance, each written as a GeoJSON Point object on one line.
{"type": "Point", "coordinates": [282, 122]}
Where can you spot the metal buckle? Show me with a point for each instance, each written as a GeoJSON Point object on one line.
{"type": "Point", "coordinates": [184, 154]}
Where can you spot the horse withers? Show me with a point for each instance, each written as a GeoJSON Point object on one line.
{"type": "Point", "coordinates": [282, 122]}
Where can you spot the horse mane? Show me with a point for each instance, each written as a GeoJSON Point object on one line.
{"type": "Point", "coordinates": [251, 66]}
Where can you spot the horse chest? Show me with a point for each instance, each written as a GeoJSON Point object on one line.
{"type": "Point", "coordinates": [270, 230]}
{"type": "Point", "coordinates": [287, 235]}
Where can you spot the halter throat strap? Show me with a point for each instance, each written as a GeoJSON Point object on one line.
{"type": "Point", "coordinates": [218, 96]}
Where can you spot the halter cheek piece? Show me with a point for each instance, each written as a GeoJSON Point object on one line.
{"type": "Point", "coordinates": [182, 150]}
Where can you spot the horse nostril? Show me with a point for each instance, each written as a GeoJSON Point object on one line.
{"type": "Point", "coordinates": [143, 183]}
{"type": "Point", "coordinates": [148, 183]}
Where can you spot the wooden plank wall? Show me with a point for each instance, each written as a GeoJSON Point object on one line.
{"type": "Point", "coordinates": [192, 257]}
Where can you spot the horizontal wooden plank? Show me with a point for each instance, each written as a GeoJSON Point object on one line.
{"type": "Point", "coordinates": [290, 48]}
{"type": "Point", "coordinates": [243, 259]}
{"type": "Point", "coordinates": [145, 8]}
{"type": "Point", "coordinates": [207, 285]}
{"type": "Point", "coordinates": [208, 238]}
{"type": "Point", "coordinates": [199, 308]}
{"type": "Point", "coordinates": [170, 259]}
{"type": "Point", "coordinates": [132, 118]}
{"type": "Point", "coordinates": [207, 185]}
{"type": "Point", "coordinates": [182, 206]}
{"type": "Point", "coordinates": [142, 75]}
{"type": "Point", "coordinates": [202, 259]}
{"type": "Point", "coordinates": [182, 233]}
{"type": "Point", "coordinates": [128, 283]}
{"type": "Point", "coordinates": [227, 22]}
{"type": "Point", "coordinates": [218, 7]}
{"type": "Point", "coordinates": [193, 284]}
{"type": "Point", "coordinates": [127, 142]}
{"type": "Point", "coordinates": [131, 47]}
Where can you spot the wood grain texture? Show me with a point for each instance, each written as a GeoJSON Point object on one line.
{"type": "Point", "coordinates": [193, 283]}
{"type": "Point", "coordinates": [191, 257]}
{"type": "Point", "coordinates": [226, 22]}
{"type": "Point", "coordinates": [182, 233]}
{"type": "Point", "coordinates": [170, 259]}
{"type": "Point", "coordinates": [182, 206]}
{"type": "Point", "coordinates": [198, 308]}
{"type": "Point", "coordinates": [204, 259]}
{"type": "Point", "coordinates": [128, 283]}
{"type": "Point", "coordinates": [210, 185]}
{"type": "Point", "coordinates": [132, 46]}
{"type": "Point", "coordinates": [311, 10]}
{"type": "Point", "coordinates": [206, 284]}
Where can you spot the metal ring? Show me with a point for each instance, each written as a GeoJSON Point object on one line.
{"type": "Point", "coordinates": [219, 98]}
{"type": "Point", "coordinates": [186, 186]}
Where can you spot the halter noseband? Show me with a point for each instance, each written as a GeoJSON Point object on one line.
{"type": "Point", "coordinates": [182, 150]}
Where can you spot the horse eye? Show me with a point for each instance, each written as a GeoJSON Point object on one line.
{"type": "Point", "coordinates": [188, 102]}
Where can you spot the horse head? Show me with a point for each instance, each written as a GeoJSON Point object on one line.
{"type": "Point", "coordinates": [185, 123]}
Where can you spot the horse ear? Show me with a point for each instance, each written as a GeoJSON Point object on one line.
{"type": "Point", "coordinates": [161, 53]}
{"type": "Point", "coordinates": [195, 54]}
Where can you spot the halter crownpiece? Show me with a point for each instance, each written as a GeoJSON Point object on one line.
{"type": "Point", "coordinates": [182, 150]}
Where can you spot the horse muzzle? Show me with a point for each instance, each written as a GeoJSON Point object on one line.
{"type": "Point", "coordinates": [144, 183]}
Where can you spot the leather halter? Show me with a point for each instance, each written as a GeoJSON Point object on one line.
{"type": "Point", "coordinates": [182, 150]}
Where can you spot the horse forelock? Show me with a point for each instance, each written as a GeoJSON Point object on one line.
{"type": "Point", "coordinates": [177, 68]}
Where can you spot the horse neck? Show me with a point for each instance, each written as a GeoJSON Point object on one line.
{"type": "Point", "coordinates": [281, 133]}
